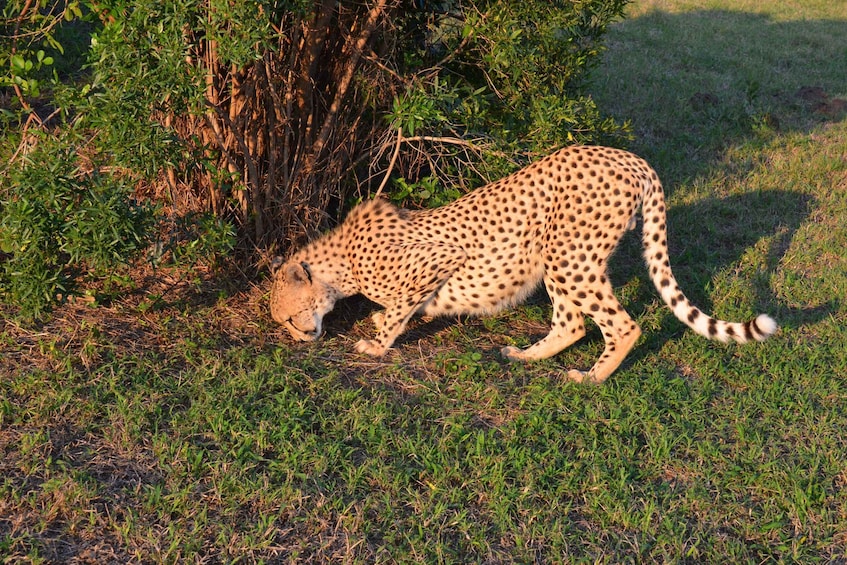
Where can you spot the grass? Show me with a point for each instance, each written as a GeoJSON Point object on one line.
{"type": "Point", "coordinates": [190, 430]}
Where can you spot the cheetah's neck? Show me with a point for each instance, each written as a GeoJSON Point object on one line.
{"type": "Point", "coordinates": [329, 263]}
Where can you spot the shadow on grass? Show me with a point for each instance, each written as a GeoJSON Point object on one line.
{"type": "Point", "coordinates": [693, 84]}
{"type": "Point", "coordinates": [698, 86]}
{"type": "Point", "coordinates": [709, 237]}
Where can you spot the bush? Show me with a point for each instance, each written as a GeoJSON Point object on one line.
{"type": "Point", "coordinates": [507, 78]}
{"type": "Point", "coordinates": [272, 115]}
{"type": "Point", "coordinates": [57, 221]}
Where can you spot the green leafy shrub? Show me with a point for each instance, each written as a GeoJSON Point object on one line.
{"type": "Point", "coordinates": [194, 239]}
{"type": "Point", "coordinates": [508, 76]}
{"type": "Point", "coordinates": [265, 116]}
{"type": "Point", "coordinates": [58, 222]}
{"type": "Point", "coordinates": [27, 39]}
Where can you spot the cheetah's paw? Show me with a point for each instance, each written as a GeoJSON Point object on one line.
{"type": "Point", "coordinates": [512, 353]}
{"type": "Point", "coordinates": [378, 318]}
{"type": "Point", "coordinates": [578, 376]}
{"type": "Point", "coordinates": [371, 347]}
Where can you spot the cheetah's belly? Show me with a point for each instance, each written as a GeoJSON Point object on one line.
{"type": "Point", "coordinates": [478, 289]}
{"type": "Point", "coordinates": [503, 247]}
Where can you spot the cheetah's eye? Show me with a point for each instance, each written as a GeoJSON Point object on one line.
{"type": "Point", "coordinates": [307, 270]}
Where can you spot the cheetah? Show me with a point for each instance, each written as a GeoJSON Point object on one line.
{"type": "Point", "coordinates": [556, 221]}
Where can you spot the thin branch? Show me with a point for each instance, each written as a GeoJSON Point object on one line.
{"type": "Point", "coordinates": [24, 104]}
{"type": "Point", "coordinates": [391, 163]}
{"type": "Point", "coordinates": [472, 144]}
{"type": "Point", "coordinates": [446, 140]}
{"type": "Point", "coordinates": [439, 66]}
{"type": "Point", "coordinates": [373, 58]}
{"type": "Point", "coordinates": [252, 172]}
{"type": "Point", "coordinates": [346, 79]}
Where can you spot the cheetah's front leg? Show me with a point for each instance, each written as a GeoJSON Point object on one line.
{"type": "Point", "coordinates": [391, 322]}
{"type": "Point", "coordinates": [425, 267]}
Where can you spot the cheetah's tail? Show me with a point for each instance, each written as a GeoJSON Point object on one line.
{"type": "Point", "coordinates": [656, 255]}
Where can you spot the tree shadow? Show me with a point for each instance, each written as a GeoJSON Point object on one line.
{"type": "Point", "coordinates": [696, 87]}
{"type": "Point", "coordinates": [699, 251]}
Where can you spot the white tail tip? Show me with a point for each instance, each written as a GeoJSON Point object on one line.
{"type": "Point", "coordinates": [766, 325]}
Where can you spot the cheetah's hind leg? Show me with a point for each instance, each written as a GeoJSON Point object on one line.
{"type": "Point", "coordinates": [620, 332]}
{"type": "Point", "coordinates": [567, 327]}
{"type": "Point", "coordinates": [425, 267]}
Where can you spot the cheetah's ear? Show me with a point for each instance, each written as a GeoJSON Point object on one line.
{"type": "Point", "coordinates": [298, 273]}
{"type": "Point", "coordinates": [276, 263]}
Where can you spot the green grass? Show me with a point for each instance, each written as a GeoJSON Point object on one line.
{"type": "Point", "coordinates": [190, 431]}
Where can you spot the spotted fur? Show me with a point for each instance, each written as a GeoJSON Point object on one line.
{"type": "Point", "coordinates": [557, 221]}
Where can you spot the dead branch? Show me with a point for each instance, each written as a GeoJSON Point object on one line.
{"type": "Point", "coordinates": [391, 163]}
{"type": "Point", "coordinates": [355, 51]}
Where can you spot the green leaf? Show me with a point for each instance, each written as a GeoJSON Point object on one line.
{"type": "Point", "coordinates": [18, 63]}
{"type": "Point", "coordinates": [51, 41]}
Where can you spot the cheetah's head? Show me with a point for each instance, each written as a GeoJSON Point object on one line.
{"type": "Point", "coordinates": [298, 301]}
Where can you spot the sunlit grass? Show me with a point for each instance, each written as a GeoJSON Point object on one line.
{"type": "Point", "coordinates": [200, 434]}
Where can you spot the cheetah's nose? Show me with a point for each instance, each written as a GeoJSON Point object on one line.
{"type": "Point", "coordinates": [310, 336]}
{"type": "Point", "coordinates": [301, 334]}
